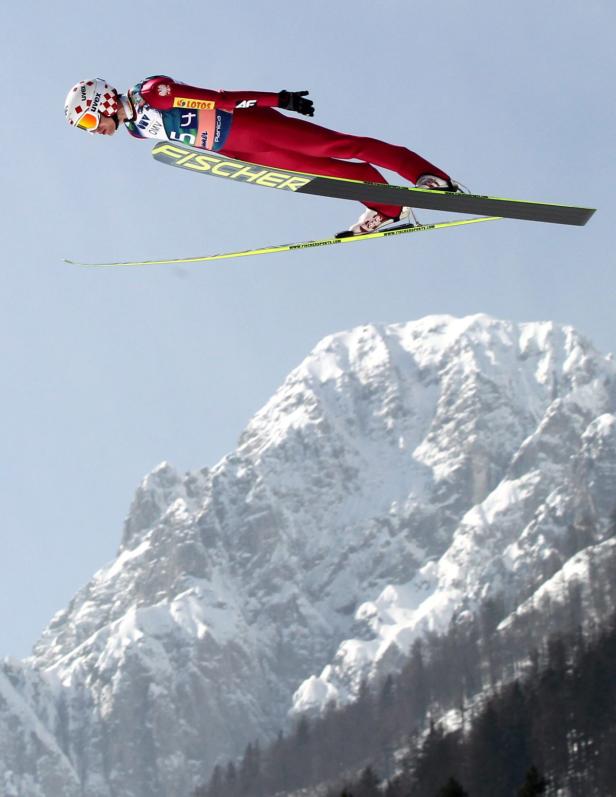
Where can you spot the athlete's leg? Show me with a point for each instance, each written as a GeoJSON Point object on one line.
{"type": "Point", "coordinates": [264, 138]}
{"type": "Point", "coordinates": [261, 128]}
{"type": "Point", "coordinates": [286, 159]}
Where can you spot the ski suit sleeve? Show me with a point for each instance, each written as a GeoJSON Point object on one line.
{"type": "Point", "coordinates": [163, 93]}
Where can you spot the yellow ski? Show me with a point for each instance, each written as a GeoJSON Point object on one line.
{"type": "Point", "coordinates": [267, 250]}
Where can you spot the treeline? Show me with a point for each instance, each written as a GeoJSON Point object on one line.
{"type": "Point", "coordinates": [371, 728]}
{"type": "Point", "coordinates": [560, 717]}
{"type": "Point", "coordinates": [560, 720]}
{"type": "Point", "coordinates": [368, 785]}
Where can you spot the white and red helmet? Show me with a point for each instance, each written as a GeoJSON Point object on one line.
{"type": "Point", "coordinates": [88, 100]}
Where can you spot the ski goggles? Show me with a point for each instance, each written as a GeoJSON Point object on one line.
{"type": "Point", "coordinates": [89, 121]}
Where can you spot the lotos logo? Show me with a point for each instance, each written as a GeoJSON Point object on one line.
{"type": "Point", "coordinates": [201, 105]}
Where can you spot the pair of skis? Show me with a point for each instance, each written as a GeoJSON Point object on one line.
{"type": "Point", "coordinates": [217, 165]}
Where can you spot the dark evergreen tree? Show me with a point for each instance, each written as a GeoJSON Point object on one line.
{"type": "Point", "coordinates": [417, 682]}
{"type": "Point", "coordinates": [534, 784]}
{"type": "Point", "coordinates": [485, 746]}
{"type": "Point", "coordinates": [452, 789]}
{"type": "Point", "coordinates": [393, 788]}
{"type": "Point", "coordinates": [231, 785]}
{"type": "Point", "coordinates": [387, 726]}
{"type": "Point", "coordinates": [367, 785]}
{"type": "Point", "coordinates": [250, 771]}
{"type": "Point", "coordinates": [275, 767]}
{"type": "Point", "coordinates": [387, 696]}
{"type": "Point", "coordinates": [514, 727]}
{"type": "Point", "coordinates": [301, 752]}
{"type": "Point", "coordinates": [330, 750]}
{"type": "Point", "coordinates": [491, 613]}
{"type": "Point", "coordinates": [438, 754]}
{"type": "Point", "coordinates": [216, 786]}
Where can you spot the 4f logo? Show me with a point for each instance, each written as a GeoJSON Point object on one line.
{"type": "Point", "coordinates": [200, 105]}
{"type": "Point", "coordinates": [246, 104]}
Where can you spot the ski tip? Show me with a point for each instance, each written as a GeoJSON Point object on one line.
{"type": "Point", "coordinates": [78, 263]}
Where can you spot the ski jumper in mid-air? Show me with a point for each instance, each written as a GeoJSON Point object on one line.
{"type": "Point", "coordinates": [246, 125]}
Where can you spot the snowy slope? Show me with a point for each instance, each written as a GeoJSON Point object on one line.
{"type": "Point", "coordinates": [33, 762]}
{"type": "Point", "coordinates": [399, 476]}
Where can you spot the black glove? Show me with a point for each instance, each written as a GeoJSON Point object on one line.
{"type": "Point", "coordinates": [296, 101]}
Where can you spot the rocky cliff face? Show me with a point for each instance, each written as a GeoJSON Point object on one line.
{"type": "Point", "coordinates": [400, 476]}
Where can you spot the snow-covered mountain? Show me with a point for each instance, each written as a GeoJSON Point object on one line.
{"type": "Point", "coordinates": [401, 475]}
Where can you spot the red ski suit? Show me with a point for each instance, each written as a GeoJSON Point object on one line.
{"type": "Point", "coordinates": [257, 133]}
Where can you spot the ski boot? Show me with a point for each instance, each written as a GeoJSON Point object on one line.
{"type": "Point", "coordinates": [434, 183]}
{"type": "Point", "coordinates": [372, 221]}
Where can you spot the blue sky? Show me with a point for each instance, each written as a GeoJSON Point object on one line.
{"type": "Point", "coordinates": [105, 374]}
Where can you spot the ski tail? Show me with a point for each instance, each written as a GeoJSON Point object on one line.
{"type": "Point", "coordinates": [453, 202]}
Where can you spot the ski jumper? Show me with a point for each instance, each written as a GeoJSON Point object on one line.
{"type": "Point", "coordinates": [246, 125]}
